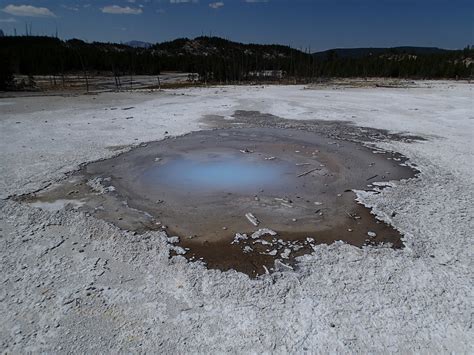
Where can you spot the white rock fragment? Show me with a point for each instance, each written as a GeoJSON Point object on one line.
{"type": "Point", "coordinates": [263, 242]}
{"type": "Point", "coordinates": [318, 203]}
{"type": "Point", "coordinates": [96, 185]}
{"type": "Point", "coordinates": [173, 240]}
{"type": "Point", "coordinates": [247, 249]}
{"type": "Point", "coordinates": [262, 232]}
{"type": "Point", "coordinates": [252, 219]}
{"type": "Point", "coordinates": [372, 234]}
{"type": "Point", "coordinates": [238, 237]}
{"type": "Point", "coordinates": [286, 253]}
{"type": "Point", "coordinates": [178, 250]}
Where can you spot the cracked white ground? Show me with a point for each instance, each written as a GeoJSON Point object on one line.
{"type": "Point", "coordinates": [70, 282]}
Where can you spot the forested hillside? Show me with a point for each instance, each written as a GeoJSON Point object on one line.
{"type": "Point", "coordinates": [219, 60]}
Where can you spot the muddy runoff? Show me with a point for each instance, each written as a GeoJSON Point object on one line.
{"type": "Point", "coordinates": [248, 199]}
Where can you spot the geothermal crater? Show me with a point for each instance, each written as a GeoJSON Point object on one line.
{"type": "Point", "coordinates": [245, 199]}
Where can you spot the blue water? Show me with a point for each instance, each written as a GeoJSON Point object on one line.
{"type": "Point", "coordinates": [229, 173]}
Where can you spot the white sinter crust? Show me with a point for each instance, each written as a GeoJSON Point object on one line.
{"type": "Point", "coordinates": [71, 283]}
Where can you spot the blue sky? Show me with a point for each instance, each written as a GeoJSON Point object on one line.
{"type": "Point", "coordinates": [315, 24]}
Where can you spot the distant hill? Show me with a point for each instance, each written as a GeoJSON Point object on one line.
{"type": "Point", "coordinates": [138, 44]}
{"type": "Point", "coordinates": [215, 46]}
{"type": "Point", "coordinates": [356, 53]}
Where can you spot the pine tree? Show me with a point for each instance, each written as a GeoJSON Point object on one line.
{"type": "Point", "coordinates": [6, 74]}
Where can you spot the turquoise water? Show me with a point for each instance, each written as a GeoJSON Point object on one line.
{"type": "Point", "coordinates": [224, 172]}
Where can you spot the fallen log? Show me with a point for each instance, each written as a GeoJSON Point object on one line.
{"type": "Point", "coordinates": [307, 172]}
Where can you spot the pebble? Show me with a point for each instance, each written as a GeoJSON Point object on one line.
{"type": "Point", "coordinates": [372, 234]}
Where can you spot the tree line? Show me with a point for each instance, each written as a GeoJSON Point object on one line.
{"type": "Point", "coordinates": [217, 60]}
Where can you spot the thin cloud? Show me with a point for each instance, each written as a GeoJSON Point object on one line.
{"type": "Point", "coordinates": [183, 1]}
{"type": "Point", "coordinates": [7, 20]}
{"type": "Point", "coordinates": [216, 5]}
{"type": "Point", "coordinates": [71, 8]}
{"type": "Point", "coordinates": [28, 11]}
{"type": "Point", "coordinates": [121, 10]}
